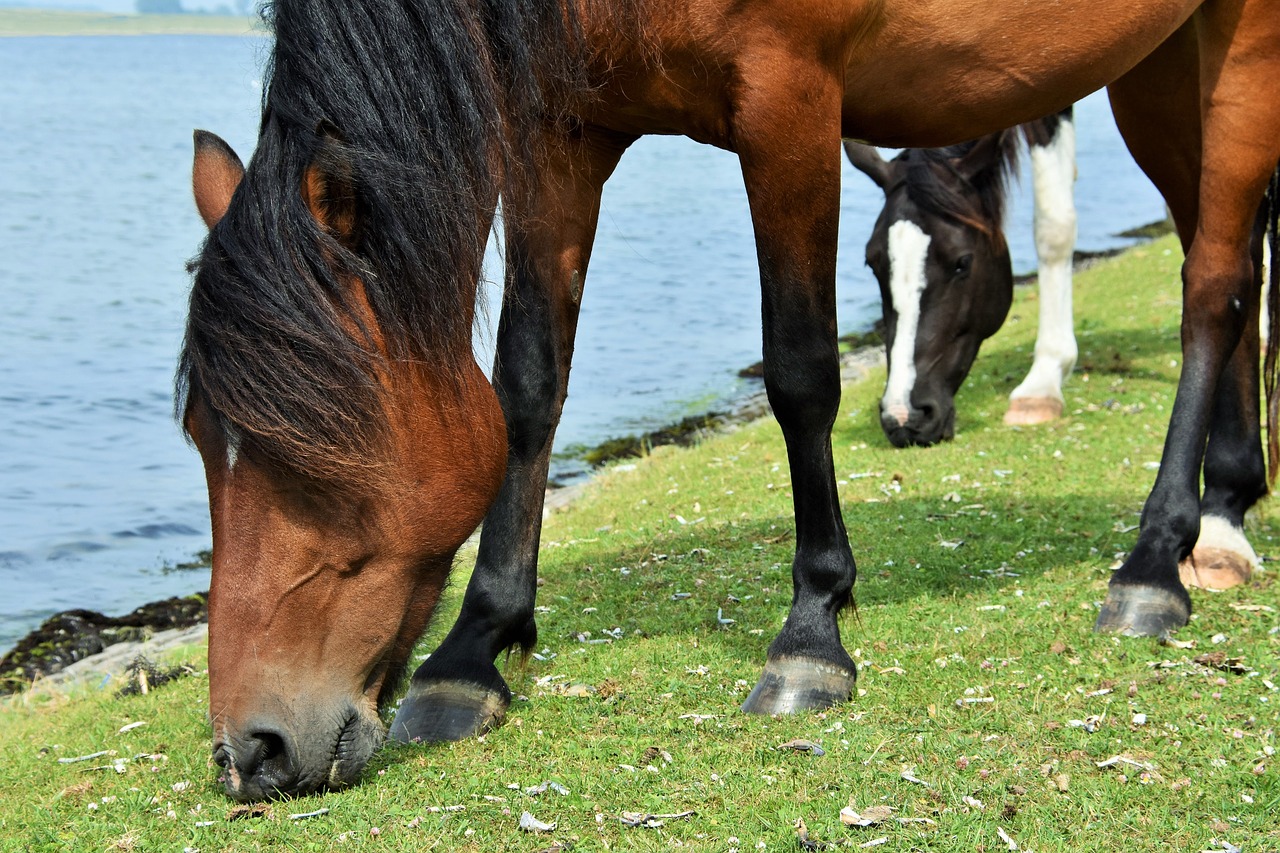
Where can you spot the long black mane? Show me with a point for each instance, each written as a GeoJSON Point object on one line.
{"type": "Point", "coordinates": [936, 180]}
{"type": "Point", "coordinates": [423, 101]}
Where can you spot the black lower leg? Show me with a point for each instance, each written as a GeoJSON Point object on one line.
{"type": "Point", "coordinates": [807, 665]}
{"type": "Point", "coordinates": [1146, 595]}
{"type": "Point", "coordinates": [458, 691]}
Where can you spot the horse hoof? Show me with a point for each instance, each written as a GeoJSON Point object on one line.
{"type": "Point", "coordinates": [1214, 568]}
{"type": "Point", "coordinates": [450, 710]}
{"type": "Point", "coordinates": [789, 685]}
{"type": "Point", "coordinates": [1142, 611]}
{"type": "Point", "coordinates": [1222, 558]}
{"type": "Point", "coordinates": [1029, 411]}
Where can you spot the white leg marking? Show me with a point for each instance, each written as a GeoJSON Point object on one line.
{"type": "Point", "coordinates": [908, 251]}
{"type": "Point", "coordinates": [1053, 168]}
{"type": "Point", "coordinates": [1217, 532]}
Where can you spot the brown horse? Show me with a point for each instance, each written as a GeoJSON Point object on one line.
{"type": "Point", "coordinates": [351, 443]}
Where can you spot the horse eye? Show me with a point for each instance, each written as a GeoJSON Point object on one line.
{"type": "Point", "coordinates": [963, 265]}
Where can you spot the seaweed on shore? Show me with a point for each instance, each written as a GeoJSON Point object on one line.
{"type": "Point", "coordinates": [143, 675]}
{"type": "Point", "coordinates": [74, 635]}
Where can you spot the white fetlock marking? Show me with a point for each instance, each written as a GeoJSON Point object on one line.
{"type": "Point", "coordinates": [908, 251]}
{"type": "Point", "coordinates": [1217, 532]}
{"type": "Point", "coordinates": [1053, 170]}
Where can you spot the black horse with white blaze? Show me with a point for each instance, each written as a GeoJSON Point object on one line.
{"type": "Point", "coordinates": [939, 254]}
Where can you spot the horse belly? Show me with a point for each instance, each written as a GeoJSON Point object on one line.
{"type": "Point", "coordinates": [926, 73]}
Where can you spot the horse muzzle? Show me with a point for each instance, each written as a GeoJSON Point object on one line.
{"type": "Point", "coordinates": [924, 425]}
{"type": "Point", "coordinates": [267, 760]}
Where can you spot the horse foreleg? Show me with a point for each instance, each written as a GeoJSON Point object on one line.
{"type": "Point", "coordinates": [458, 691]}
{"type": "Point", "coordinates": [793, 185]}
{"type": "Point", "coordinates": [1053, 167]}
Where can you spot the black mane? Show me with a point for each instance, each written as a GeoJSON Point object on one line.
{"type": "Point", "coordinates": [420, 96]}
{"type": "Point", "coordinates": [936, 179]}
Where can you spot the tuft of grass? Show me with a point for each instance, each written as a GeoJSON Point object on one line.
{"type": "Point", "coordinates": [987, 710]}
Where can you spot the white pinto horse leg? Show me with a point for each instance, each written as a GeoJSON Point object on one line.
{"type": "Point", "coordinates": [1039, 397]}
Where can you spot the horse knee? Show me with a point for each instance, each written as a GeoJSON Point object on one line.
{"type": "Point", "coordinates": [803, 386]}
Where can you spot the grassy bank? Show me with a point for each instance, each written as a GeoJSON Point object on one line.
{"type": "Point", "coordinates": [45, 22]}
{"type": "Point", "coordinates": [987, 713]}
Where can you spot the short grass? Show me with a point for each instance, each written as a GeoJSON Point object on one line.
{"type": "Point", "coordinates": [988, 714]}
{"type": "Point", "coordinates": [45, 22]}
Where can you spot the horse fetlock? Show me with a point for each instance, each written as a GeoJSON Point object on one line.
{"type": "Point", "coordinates": [789, 685]}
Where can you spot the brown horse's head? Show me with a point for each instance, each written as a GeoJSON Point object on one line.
{"type": "Point", "coordinates": [338, 501]}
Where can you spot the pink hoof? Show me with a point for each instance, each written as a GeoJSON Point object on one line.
{"type": "Point", "coordinates": [1214, 568]}
{"type": "Point", "coordinates": [1028, 411]}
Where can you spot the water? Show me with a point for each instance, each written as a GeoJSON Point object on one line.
{"type": "Point", "coordinates": [98, 492]}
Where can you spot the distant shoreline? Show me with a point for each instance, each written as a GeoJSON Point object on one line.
{"type": "Point", "coordinates": [18, 22]}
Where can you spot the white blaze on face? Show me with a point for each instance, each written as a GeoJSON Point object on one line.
{"type": "Point", "coordinates": [908, 251]}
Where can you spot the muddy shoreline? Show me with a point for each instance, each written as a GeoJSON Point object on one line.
{"type": "Point", "coordinates": [75, 635]}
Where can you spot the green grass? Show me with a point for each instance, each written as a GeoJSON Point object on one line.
{"type": "Point", "coordinates": [978, 667]}
{"type": "Point", "coordinates": [45, 22]}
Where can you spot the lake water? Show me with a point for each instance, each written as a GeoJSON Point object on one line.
{"type": "Point", "coordinates": [99, 494]}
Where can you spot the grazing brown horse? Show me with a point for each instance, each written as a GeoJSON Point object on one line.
{"type": "Point", "coordinates": [351, 443]}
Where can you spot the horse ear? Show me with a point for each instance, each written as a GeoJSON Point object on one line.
{"type": "Point", "coordinates": [996, 152]}
{"type": "Point", "coordinates": [215, 174]}
{"type": "Point", "coordinates": [328, 186]}
{"type": "Point", "coordinates": [867, 159]}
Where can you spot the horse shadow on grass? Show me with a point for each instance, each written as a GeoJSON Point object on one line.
{"type": "Point", "coordinates": [725, 586]}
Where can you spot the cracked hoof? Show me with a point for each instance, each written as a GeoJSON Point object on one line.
{"type": "Point", "coordinates": [789, 685]}
{"type": "Point", "coordinates": [449, 710]}
{"type": "Point", "coordinates": [1028, 411]}
{"type": "Point", "coordinates": [1215, 568]}
{"type": "Point", "coordinates": [1142, 611]}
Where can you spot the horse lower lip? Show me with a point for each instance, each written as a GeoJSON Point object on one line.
{"type": "Point", "coordinates": [351, 752]}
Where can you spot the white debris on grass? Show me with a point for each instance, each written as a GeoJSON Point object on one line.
{"type": "Point", "coordinates": [529, 823]}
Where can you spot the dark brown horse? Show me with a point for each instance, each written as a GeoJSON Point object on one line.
{"type": "Point", "coordinates": [351, 443]}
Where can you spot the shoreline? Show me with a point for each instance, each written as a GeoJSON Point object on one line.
{"type": "Point", "coordinates": [28, 22]}
{"type": "Point", "coordinates": [81, 646]}
{"type": "Point", "coordinates": [77, 659]}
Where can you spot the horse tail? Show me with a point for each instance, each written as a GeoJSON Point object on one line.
{"type": "Point", "coordinates": [1271, 363]}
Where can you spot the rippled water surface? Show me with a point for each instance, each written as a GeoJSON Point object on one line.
{"type": "Point", "coordinates": [99, 495]}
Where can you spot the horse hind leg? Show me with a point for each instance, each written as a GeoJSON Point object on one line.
{"type": "Point", "coordinates": [1038, 398]}
{"type": "Point", "coordinates": [1234, 469]}
{"type": "Point", "coordinates": [1214, 200]}
{"type": "Point", "coordinates": [458, 691]}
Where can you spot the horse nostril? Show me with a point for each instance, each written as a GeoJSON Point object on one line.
{"type": "Point", "coordinates": [257, 766]}
{"type": "Point", "coordinates": [272, 746]}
